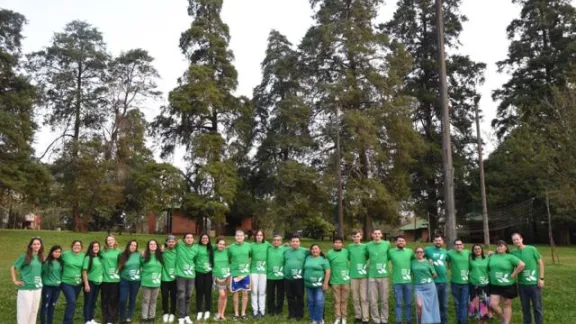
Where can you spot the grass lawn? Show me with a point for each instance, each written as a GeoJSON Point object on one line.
{"type": "Point", "coordinates": [559, 293]}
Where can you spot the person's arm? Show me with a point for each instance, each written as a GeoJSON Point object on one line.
{"type": "Point", "coordinates": [15, 277]}
{"type": "Point", "coordinates": [327, 273]}
{"type": "Point", "coordinates": [85, 280]}
{"type": "Point", "coordinates": [541, 268]}
{"type": "Point", "coordinates": [518, 269]}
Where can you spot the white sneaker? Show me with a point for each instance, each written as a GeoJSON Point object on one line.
{"type": "Point", "coordinates": [206, 316]}
{"type": "Point", "coordinates": [337, 321]}
{"type": "Point", "coordinates": [94, 322]}
{"type": "Point", "coordinates": [165, 318]}
{"type": "Point", "coordinates": [89, 322]}
{"type": "Point", "coordinates": [171, 318]}
{"type": "Point", "coordinates": [181, 321]}
{"type": "Point", "coordinates": [199, 316]}
{"type": "Point", "coordinates": [187, 320]}
{"type": "Point", "coordinates": [343, 321]}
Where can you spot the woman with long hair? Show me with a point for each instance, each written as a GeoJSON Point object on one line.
{"type": "Point", "coordinates": [316, 279]}
{"type": "Point", "coordinates": [259, 253]}
{"type": "Point", "coordinates": [168, 285]}
{"type": "Point", "coordinates": [92, 278]}
{"type": "Point", "coordinates": [502, 270]}
{"type": "Point", "coordinates": [427, 307]}
{"type": "Point", "coordinates": [204, 265]}
{"type": "Point", "coordinates": [110, 286]}
{"type": "Point", "coordinates": [51, 280]}
{"type": "Point", "coordinates": [72, 261]}
{"type": "Point", "coordinates": [129, 264]}
{"type": "Point", "coordinates": [479, 307]}
{"type": "Point", "coordinates": [221, 276]}
{"type": "Point", "coordinates": [29, 267]}
{"type": "Point", "coordinates": [151, 277]}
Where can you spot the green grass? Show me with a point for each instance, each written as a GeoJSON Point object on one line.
{"type": "Point", "coordinates": [559, 292]}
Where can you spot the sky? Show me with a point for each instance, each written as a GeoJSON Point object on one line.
{"type": "Point", "coordinates": [156, 26]}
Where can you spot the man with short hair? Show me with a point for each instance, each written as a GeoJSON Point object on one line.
{"type": "Point", "coordinates": [378, 277]}
{"type": "Point", "coordinates": [340, 279]}
{"type": "Point", "coordinates": [459, 261]}
{"type": "Point", "coordinates": [239, 255]}
{"type": "Point", "coordinates": [530, 280]}
{"type": "Point", "coordinates": [275, 276]}
{"type": "Point", "coordinates": [401, 259]}
{"type": "Point", "coordinates": [359, 277]}
{"type": "Point", "coordinates": [294, 258]}
{"type": "Point", "coordinates": [437, 254]}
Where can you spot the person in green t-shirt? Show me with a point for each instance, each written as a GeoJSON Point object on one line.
{"type": "Point", "coordinates": [152, 264]}
{"type": "Point", "coordinates": [129, 266]}
{"type": "Point", "coordinates": [502, 271]}
{"type": "Point", "coordinates": [437, 254]}
{"type": "Point", "coordinates": [168, 285]}
{"type": "Point", "coordinates": [423, 272]}
{"type": "Point", "coordinates": [92, 278]}
{"type": "Point", "coordinates": [359, 277]}
{"type": "Point", "coordinates": [186, 253]}
{"type": "Point", "coordinates": [258, 252]}
{"type": "Point", "coordinates": [530, 280]}
{"type": "Point", "coordinates": [51, 280]}
{"type": "Point", "coordinates": [378, 277]}
{"type": "Point", "coordinates": [401, 259]}
{"type": "Point", "coordinates": [110, 286]}
{"type": "Point", "coordinates": [72, 262]}
{"type": "Point", "coordinates": [479, 308]}
{"type": "Point", "coordinates": [275, 276]}
{"type": "Point", "coordinates": [222, 276]}
{"type": "Point", "coordinates": [316, 279]}
{"type": "Point", "coordinates": [239, 255]}
{"type": "Point", "coordinates": [29, 267]}
{"type": "Point", "coordinates": [204, 280]}
{"type": "Point", "coordinates": [294, 258]}
{"type": "Point", "coordinates": [459, 263]}
{"type": "Point", "coordinates": [339, 258]}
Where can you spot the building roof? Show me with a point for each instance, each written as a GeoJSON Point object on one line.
{"type": "Point", "coordinates": [420, 224]}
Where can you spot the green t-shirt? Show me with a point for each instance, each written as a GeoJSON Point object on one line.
{"type": "Point", "coordinates": [72, 270]}
{"type": "Point", "coordinates": [422, 271]}
{"type": "Point", "coordinates": [314, 270]}
{"type": "Point", "coordinates": [169, 267]}
{"type": "Point", "coordinates": [131, 270]}
{"type": "Point", "coordinates": [358, 261]}
{"type": "Point", "coordinates": [378, 255]}
{"type": "Point", "coordinates": [531, 273]}
{"type": "Point", "coordinates": [221, 264]}
{"type": "Point", "coordinates": [109, 260]}
{"type": "Point", "coordinates": [239, 255]}
{"type": "Point", "coordinates": [340, 273]}
{"type": "Point", "coordinates": [30, 274]}
{"type": "Point", "coordinates": [203, 260]}
{"type": "Point", "coordinates": [479, 272]}
{"type": "Point", "coordinates": [259, 252]}
{"type": "Point", "coordinates": [459, 265]}
{"type": "Point", "coordinates": [96, 272]}
{"type": "Point", "coordinates": [275, 263]}
{"type": "Point", "coordinates": [500, 267]}
{"type": "Point", "coordinates": [52, 273]}
{"type": "Point", "coordinates": [401, 260]}
{"type": "Point", "coordinates": [151, 272]}
{"type": "Point", "coordinates": [294, 262]}
{"type": "Point", "coordinates": [185, 260]}
{"type": "Point", "coordinates": [438, 257]}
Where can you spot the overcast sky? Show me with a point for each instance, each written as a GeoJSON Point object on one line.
{"type": "Point", "coordinates": [156, 26]}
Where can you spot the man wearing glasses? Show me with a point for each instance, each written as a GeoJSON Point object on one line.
{"type": "Point", "coordinates": [275, 276]}
{"type": "Point", "coordinates": [459, 264]}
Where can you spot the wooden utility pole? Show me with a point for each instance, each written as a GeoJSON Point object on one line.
{"type": "Point", "coordinates": [449, 205]}
{"type": "Point", "coordinates": [482, 183]}
{"type": "Point", "coordinates": [339, 174]}
{"type": "Point", "coordinates": [555, 257]}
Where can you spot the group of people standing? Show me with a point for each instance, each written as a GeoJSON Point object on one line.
{"type": "Point", "coordinates": [267, 272]}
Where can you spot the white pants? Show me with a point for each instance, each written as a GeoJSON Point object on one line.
{"type": "Point", "coordinates": [258, 293]}
{"type": "Point", "coordinates": [27, 305]}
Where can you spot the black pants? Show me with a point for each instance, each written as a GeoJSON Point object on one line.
{"type": "Point", "coordinates": [295, 294]}
{"type": "Point", "coordinates": [109, 300]}
{"type": "Point", "coordinates": [203, 291]}
{"type": "Point", "coordinates": [275, 296]}
{"type": "Point", "coordinates": [169, 290]}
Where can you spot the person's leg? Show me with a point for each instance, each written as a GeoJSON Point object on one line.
{"type": "Point", "coordinates": [146, 294]}
{"type": "Point", "coordinates": [524, 293]}
{"type": "Point", "coordinates": [319, 305]}
{"type": "Point", "coordinates": [373, 289]}
{"type": "Point", "coordinates": [279, 297]}
{"type": "Point", "coordinates": [442, 290]}
{"type": "Point", "coordinates": [537, 305]}
{"type": "Point", "coordinates": [96, 290]}
{"type": "Point", "coordinates": [310, 301]}
{"type": "Point", "coordinates": [46, 300]}
{"type": "Point", "coordinates": [122, 300]}
{"type": "Point", "coordinates": [364, 305]}
{"type": "Point", "coordinates": [418, 309]}
{"type": "Point", "coordinates": [208, 292]}
{"type": "Point", "coordinates": [245, 297]}
{"type": "Point", "coordinates": [87, 302]}
{"type": "Point", "coordinates": [495, 305]}
{"type": "Point", "coordinates": [70, 295]}
{"type": "Point", "coordinates": [254, 293]}
{"type": "Point", "coordinates": [262, 293]}
{"type": "Point", "coordinates": [455, 288]}
{"type": "Point", "coordinates": [355, 288]}
{"type": "Point", "coordinates": [134, 287]}
{"type": "Point", "coordinates": [464, 298]}
{"type": "Point", "coordinates": [384, 294]}
{"type": "Point", "coordinates": [199, 285]}
{"type": "Point", "coordinates": [189, 284]}
{"type": "Point", "coordinates": [398, 302]}
{"type": "Point", "coordinates": [113, 303]}
{"type": "Point", "coordinates": [153, 298]}
{"type": "Point", "coordinates": [173, 293]}
{"type": "Point", "coordinates": [336, 294]}
{"type": "Point", "coordinates": [299, 299]}
{"type": "Point", "coordinates": [407, 291]}
{"type": "Point", "coordinates": [271, 295]}
{"type": "Point", "coordinates": [36, 297]}
{"type": "Point", "coordinates": [507, 310]}
{"type": "Point", "coordinates": [344, 301]}
{"type": "Point", "coordinates": [165, 293]}
{"type": "Point", "coordinates": [290, 296]}
{"type": "Point", "coordinates": [104, 290]}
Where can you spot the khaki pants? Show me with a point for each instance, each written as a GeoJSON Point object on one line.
{"type": "Point", "coordinates": [378, 287]}
{"type": "Point", "coordinates": [27, 304]}
{"type": "Point", "coordinates": [341, 293]}
{"type": "Point", "coordinates": [360, 298]}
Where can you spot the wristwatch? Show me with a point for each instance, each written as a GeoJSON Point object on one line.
{"type": "Point", "coordinates": [542, 278]}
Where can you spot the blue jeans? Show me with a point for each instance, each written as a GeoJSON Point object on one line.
{"type": "Point", "coordinates": [442, 290]}
{"type": "Point", "coordinates": [90, 301]}
{"type": "Point", "coordinates": [50, 296]}
{"type": "Point", "coordinates": [71, 293]}
{"type": "Point", "coordinates": [531, 295]}
{"type": "Point", "coordinates": [403, 298]}
{"type": "Point", "coordinates": [315, 303]}
{"type": "Point", "coordinates": [461, 294]}
{"type": "Point", "coordinates": [128, 293]}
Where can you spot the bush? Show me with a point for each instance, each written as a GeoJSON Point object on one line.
{"type": "Point", "coordinates": [317, 227]}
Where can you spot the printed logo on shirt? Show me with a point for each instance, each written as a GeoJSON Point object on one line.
{"type": "Point", "coordinates": [261, 265]}
{"type": "Point", "coordinates": [38, 282]}
{"type": "Point", "coordinates": [381, 268]}
{"type": "Point", "coordinates": [77, 279]}
{"type": "Point", "coordinates": [134, 274]}
{"type": "Point", "coordinates": [225, 272]}
{"type": "Point", "coordinates": [362, 268]}
{"type": "Point", "coordinates": [207, 266]}
{"type": "Point", "coordinates": [426, 281]}
{"type": "Point", "coordinates": [439, 262]}
{"type": "Point", "coordinates": [502, 277]}
{"type": "Point", "coordinates": [529, 275]}
{"type": "Point", "coordinates": [188, 269]}
{"type": "Point", "coordinates": [278, 271]}
{"type": "Point", "coordinates": [464, 275]}
{"type": "Point", "coordinates": [483, 281]}
{"type": "Point", "coordinates": [244, 268]}
{"type": "Point", "coordinates": [156, 278]}
{"type": "Point", "coordinates": [297, 273]}
{"type": "Point", "coordinates": [345, 275]}
{"type": "Point", "coordinates": [406, 274]}
{"type": "Point", "coordinates": [316, 282]}
{"type": "Point", "coordinates": [113, 274]}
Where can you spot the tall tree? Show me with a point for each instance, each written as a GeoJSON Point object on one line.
{"type": "Point", "coordinates": [414, 25]}
{"type": "Point", "coordinates": [353, 67]}
{"type": "Point", "coordinates": [71, 73]}
{"type": "Point", "coordinates": [203, 115]}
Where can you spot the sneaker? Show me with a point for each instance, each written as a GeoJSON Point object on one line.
{"type": "Point", "coordinates": [187, 320]}
{"type": "Point", "coordinates": [206, 316]}
{"type": "Point", "coordinates": [244, 317]}
{"type": "Point", "coordinates": [94, 322]}
{"type": "Point", "coordinates": [199, 316]}
{"type": "Point", "coordinates": [171, 318]}
{"type": "Point", "coordinates": [181, 321]}
{"type": "Point", "coordinates": [89, 322]}
{"type": "Point", "coordinates": [165, 318]}
{"type": "Point", "coordinates": [235, 318]}
{"type": "Point", "coordinates": [343, 321]}
{"type": "Point", "coordinates": [337, 321]}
